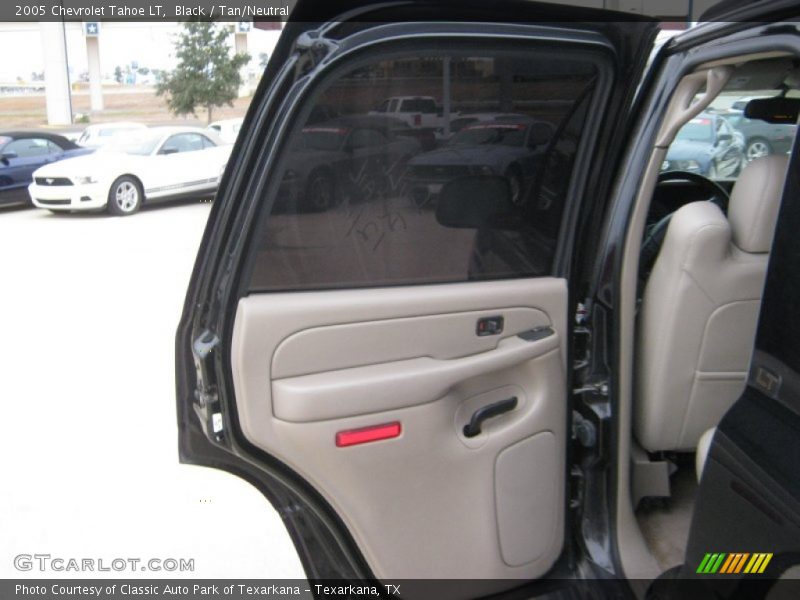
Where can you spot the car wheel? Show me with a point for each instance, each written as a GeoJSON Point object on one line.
{"type": "Point", "coordinates": [515, 181]}
{"type": "Point", "coordinates": [758, 148]}
{"type": "Point", "coordinates": [320, 193]}
{"type": "Point", "coordinates": [125, 196]}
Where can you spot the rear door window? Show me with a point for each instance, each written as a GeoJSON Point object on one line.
{"type": "Point", "coordinates": [364, 213]}
{"type": "Point", "coordinates": [366, 138]}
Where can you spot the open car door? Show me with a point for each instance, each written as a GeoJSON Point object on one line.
{"type": "Point", "coordinates": [377, 334]}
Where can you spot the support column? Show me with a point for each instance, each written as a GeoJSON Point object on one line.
{"type": "Point", "coordinates": [56, 78]}
{"type": "Point", "coordinates": [95, 75]}
{"type": "Point", "coordinates": [240, 46]}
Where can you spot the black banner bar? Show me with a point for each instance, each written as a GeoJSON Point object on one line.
{"type": "Point", "coordinates": [712, 586]}
{"type": "Point", "coordinates": [144, 10]}
{"type": "Point", "coordinates": [668, 11]}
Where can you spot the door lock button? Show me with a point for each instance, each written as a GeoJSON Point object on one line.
{"type": "Point", "coordinates": [489, 326]}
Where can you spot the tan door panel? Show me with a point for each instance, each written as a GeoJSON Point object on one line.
{"type": "Point", "coordinates": [310, 365]}
{"type": "Point", "coordinates": [441, 336]}
{"type": "Point", "coordinates": [398, 384]}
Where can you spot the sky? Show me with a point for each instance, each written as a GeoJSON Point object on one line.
{"type": "Point", "coordinates": [150, 44]}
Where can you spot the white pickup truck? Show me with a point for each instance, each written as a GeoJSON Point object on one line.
{"type": "Point", "coordinates": [417, 111]}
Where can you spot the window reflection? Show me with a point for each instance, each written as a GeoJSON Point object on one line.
{"type": "Point", "coordinates": [356, 203]}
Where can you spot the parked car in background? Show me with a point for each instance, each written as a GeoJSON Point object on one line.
{"type": "Point", "coordinates": [227, 130]}
{"type": "Point", "coordinates": [153, 164]}
{"type": "Point", "coordinates": [357, 157]}
{"type": "Point", "coordinates": [95, 136]}
{"type": "Point", "coordinates": [21, 153]}
{"type": "Point", "coordinates": [417, 111]}
{"type": "Point", "coordinates": [707, 145]}
{"type": "Point", "coordinates": [462, 120]}
{"type": "Point", "coordinates": [760, 138]}
{"type": "Point", "coordinates": [501, 147]}
{"type": "Point", "coordinates": [72, 136]}
{"type": "Point", "coordinates": [394, 127]}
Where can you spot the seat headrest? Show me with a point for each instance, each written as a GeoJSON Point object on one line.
{"type": "Point", "coordinates": [755, 201]}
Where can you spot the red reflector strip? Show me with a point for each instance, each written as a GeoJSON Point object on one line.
{"type": "Point", "coordinates": [368, 434]}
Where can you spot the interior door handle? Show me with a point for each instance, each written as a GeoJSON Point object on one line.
{"type": "Point", "coordinates": [495, 409]}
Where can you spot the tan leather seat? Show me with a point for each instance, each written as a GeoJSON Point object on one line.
{"type": "Point", "coordinates": [700, 309]}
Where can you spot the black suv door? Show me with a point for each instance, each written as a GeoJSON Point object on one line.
{"type": "Point", "coordinates": [393, 374]}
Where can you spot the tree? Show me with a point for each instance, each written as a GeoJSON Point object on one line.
{"type": "Point", "coordinates": [206, 75]}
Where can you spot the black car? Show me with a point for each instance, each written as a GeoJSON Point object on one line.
{"type": "Point", "coordinates": [355, 158]}
{"type": "Point", "coordinates": [507, 147]}
{"type": "Point", "coordinates": [21, 153]}
{"type": "Point", "coordinates": [483, 397]}
{"type": "Point", "coordinates": [707, 145]}
{"type": "Point", "coordinates": [762, 138]}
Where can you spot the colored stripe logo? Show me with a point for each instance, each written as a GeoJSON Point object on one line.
{"type": "Point", "coordinates": [723, 563]}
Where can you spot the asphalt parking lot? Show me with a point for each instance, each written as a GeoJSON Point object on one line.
{"type": "Point", "coordinates": [89, 307]}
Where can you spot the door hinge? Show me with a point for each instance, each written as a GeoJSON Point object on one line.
{"type": "Point", "coordinates": [206, 397]}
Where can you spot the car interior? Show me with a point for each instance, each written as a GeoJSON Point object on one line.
{"type": "Point", "coordinates": [703, 249]}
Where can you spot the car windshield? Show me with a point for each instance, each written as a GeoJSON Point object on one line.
{"type": "Point", "coordinates": [321, 138]}
{"type": "Point", "coordinates": [141, 144]}
{"type": "Point", "coordinates": [696, 130]}
{"type": "Point", "coordinates": [506, 135]}
{"type": "Point", "coordinates": [3, 141]}
{"type": "Point", "coordinates": [114, 131]}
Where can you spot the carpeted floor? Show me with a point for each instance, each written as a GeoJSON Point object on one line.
{"type": "Point", "coordinates": [665, 523]}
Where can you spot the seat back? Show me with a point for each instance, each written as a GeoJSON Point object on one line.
{"type": "Point", "coordinates": [700, 310]}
